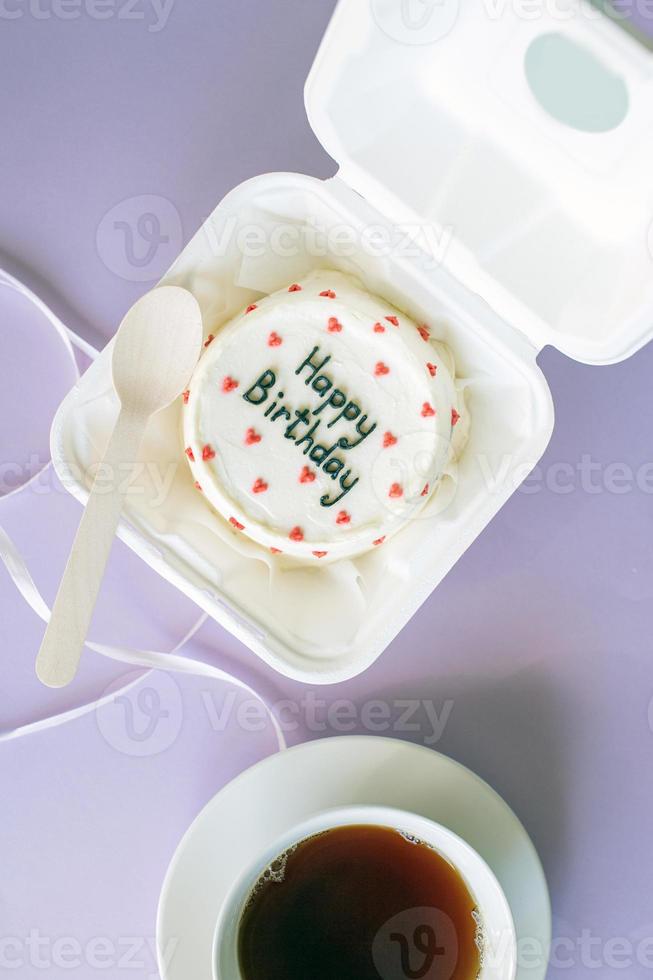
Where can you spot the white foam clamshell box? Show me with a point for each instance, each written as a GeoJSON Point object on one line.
{"type": "Point", "coordinates": [530, 232]}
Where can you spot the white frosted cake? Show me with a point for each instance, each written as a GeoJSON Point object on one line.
{"type": "Point", "coordinates": [320, 420]}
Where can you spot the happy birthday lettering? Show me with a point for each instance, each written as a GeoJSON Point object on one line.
{"type": "Point", "coordinates": [304, 424]}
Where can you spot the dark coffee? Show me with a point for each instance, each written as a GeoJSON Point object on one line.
{"type": "Point", "coordinates": [360, 903]}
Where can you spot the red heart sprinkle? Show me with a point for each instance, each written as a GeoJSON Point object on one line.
{"type": "Point", "coordinates": [454, 416]}
{"type": "Point", "coordinates": [229, 384]}
{"type": "Point", "coordinates": [208, 453]}
{"type": "Point", "coordinates": [306, 475]}
{"type": "Point", "coordinates": [425, 491]}
{"type": "Point", "coordinates": [343, 517]}
{"type": "Point", "coordinates": [209, 340]}
{"type": "Point", "coordinates": [198, 487]}
{"type": "Point", "coordinates": [424, 332]}
{"type": "Point", "coordinates": [432, 368]}
{"type": "Point", "coordinates": [378, 541]}
{"type": "Point", "coordinates": [236, 524]}
{"type": "Point", "coordinates": [389, 440]}
{"type": "Point", "coordinates": [186, 396]}
{"type": "Point", "coordinates": [274, 340]}
{"type": "Point", "coordinates": [252, 437]}
{"type": "Point", "coordinates": [381, 369]}
{"type": "Point", "coordinates": [393, 320]}
{"type": "Point", "coordinates": [251, 308]}
{"type": "Point", "coordinates": [379, 328]}
{"type": "Point", "coordinates": [191, 455]}
{"type": "Point", "coordinates": [396, 490]}
{"type": "Point", "coordinates": [276, 551]}
{"type": "Point", "coordinates": [295, 288]}
{"type": "Point", "coordinates": [320, 554]}
{"type": "Point", "coordinates": [296, 534]}
{"type": "Point", "coordinates": [427, 411]}
{"type": "Point", "coordinates": [260, 486]}
{"type": "Point", "coordinates": [329, 293]}
{"type": "Point", "coordinates": [334, 326]}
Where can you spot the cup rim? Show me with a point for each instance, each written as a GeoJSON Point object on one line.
{"type": "Point", "coordinates": [434, 834]}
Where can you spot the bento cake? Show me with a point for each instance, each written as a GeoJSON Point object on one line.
{"type": "Point", "coordinates": [320, 420]}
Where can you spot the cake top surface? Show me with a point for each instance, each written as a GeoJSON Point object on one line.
{"type": "Point", "coordinates": [320, 420]}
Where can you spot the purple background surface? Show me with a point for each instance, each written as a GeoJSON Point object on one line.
{"type": "Point", "coordinates": [537, 643]}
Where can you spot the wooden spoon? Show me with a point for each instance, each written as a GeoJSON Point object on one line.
{"type": "Point", "coordinates": [156, 348]}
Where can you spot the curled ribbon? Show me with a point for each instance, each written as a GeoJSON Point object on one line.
{"type": "Point", "coordinates": [22, 579]}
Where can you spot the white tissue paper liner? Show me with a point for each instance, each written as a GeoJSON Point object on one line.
{"type": "Point", "coordinates": [324, 623]}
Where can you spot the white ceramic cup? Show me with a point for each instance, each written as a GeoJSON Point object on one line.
{"type": "Point", "coordinates": [496, 928]}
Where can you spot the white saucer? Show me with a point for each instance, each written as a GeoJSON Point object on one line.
{"type": "Point", "coordinates": [263, 802]}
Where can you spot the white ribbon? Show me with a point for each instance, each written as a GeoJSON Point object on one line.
{"type": "Point", "coordinates": [68, 339]}
{"type": "Point", "coordinates": [22, 579]}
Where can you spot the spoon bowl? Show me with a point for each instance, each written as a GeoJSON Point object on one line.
{"type": "Point", "coordinates": [156, 348]}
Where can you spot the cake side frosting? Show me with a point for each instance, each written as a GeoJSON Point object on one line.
{"type": "Point", "coordinates": [320, 420]}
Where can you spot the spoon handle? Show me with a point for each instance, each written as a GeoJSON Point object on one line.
{"type": "Point", "coordinates": [62, 645]}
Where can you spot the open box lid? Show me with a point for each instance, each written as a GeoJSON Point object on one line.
{"type": "Point", "coordinates": [518, 137]}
